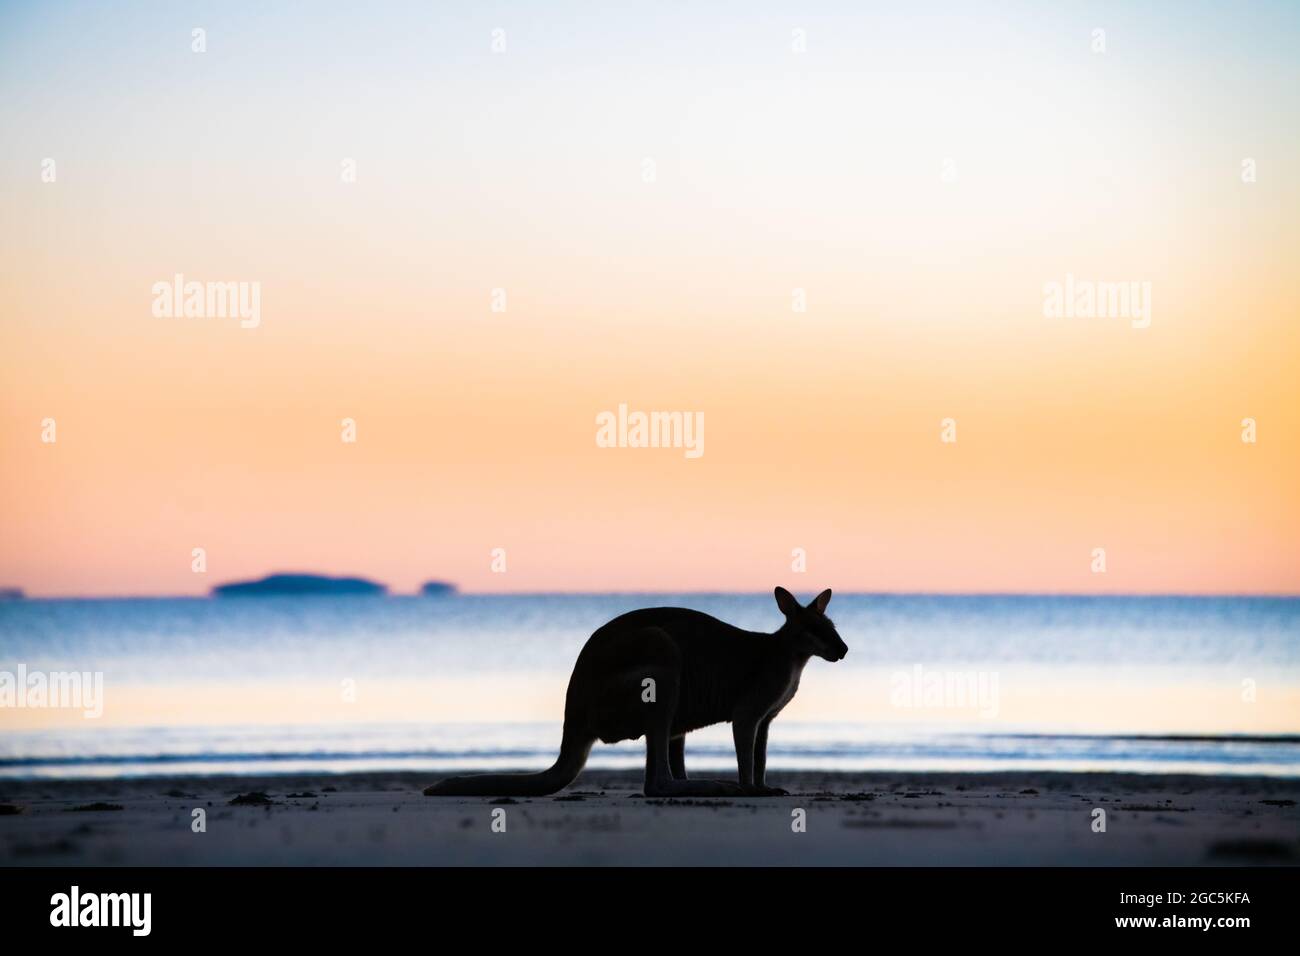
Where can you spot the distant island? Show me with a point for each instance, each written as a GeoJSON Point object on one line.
{"type": "Point", "coordinates": [299, 584]}
{"type": "Point", "coordinates": [11, 594]}
{"type": "Point", "coordinates": [437, 589]}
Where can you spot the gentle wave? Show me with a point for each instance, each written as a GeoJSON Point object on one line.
{"type": "Point", "coordinates": [1238, 755]}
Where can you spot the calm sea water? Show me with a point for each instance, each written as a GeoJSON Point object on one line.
{"type": "Point", "coordinates": [261, 684]}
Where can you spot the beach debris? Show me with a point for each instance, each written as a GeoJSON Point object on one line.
{"type": "Point", "coordinates": [862, 824]}
{"type": "Point", "coordinates": [1278, 803]}
{"type": "Point", "coordinates": [254, 798]}
{"type": "Point", "coordinates": [98, 807]}
{"type": "Point", "coordinates": [10, 809]}
{"type": "Point", "coordinates": [676, 802]}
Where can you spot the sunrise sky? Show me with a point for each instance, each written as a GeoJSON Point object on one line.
{"type": "Point", "coordinates": [920, 177]}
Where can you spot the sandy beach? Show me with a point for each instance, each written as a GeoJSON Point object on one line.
{"type": "Point", "coordinates": [876, 819]}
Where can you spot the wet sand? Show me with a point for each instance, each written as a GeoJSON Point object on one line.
{"type": "Point", "coordinates": [871, 819]}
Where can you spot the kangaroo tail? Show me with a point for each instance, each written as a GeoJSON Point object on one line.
{"type": "Point", "coordinates": [567, 766]}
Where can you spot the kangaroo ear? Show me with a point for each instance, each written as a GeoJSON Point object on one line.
{"type": "Point", "coordinates": [786, 602]}
{"type": "Point", "coordinates": [821, 600]}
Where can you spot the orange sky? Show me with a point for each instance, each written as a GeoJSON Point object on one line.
{"type": "Point", "coordinates": [476, 429]}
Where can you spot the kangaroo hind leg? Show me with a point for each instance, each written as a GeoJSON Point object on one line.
{"type": "Point", "coordinates": [677, 757]}
{"type": "Point", "coordinates": [660, 780]}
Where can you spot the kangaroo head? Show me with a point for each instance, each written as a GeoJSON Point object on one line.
{"type": "Point", "coordinates": [809, 627]}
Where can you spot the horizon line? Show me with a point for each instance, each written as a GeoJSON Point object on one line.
{"type": "Point", "coordinates": [623, 592]}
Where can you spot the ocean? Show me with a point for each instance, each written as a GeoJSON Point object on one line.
{"type": "Point", "coordinates": [336, 684]}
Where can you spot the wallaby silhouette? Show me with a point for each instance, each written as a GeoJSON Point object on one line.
{"type": "Point", "coordinates": [663, 672]}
